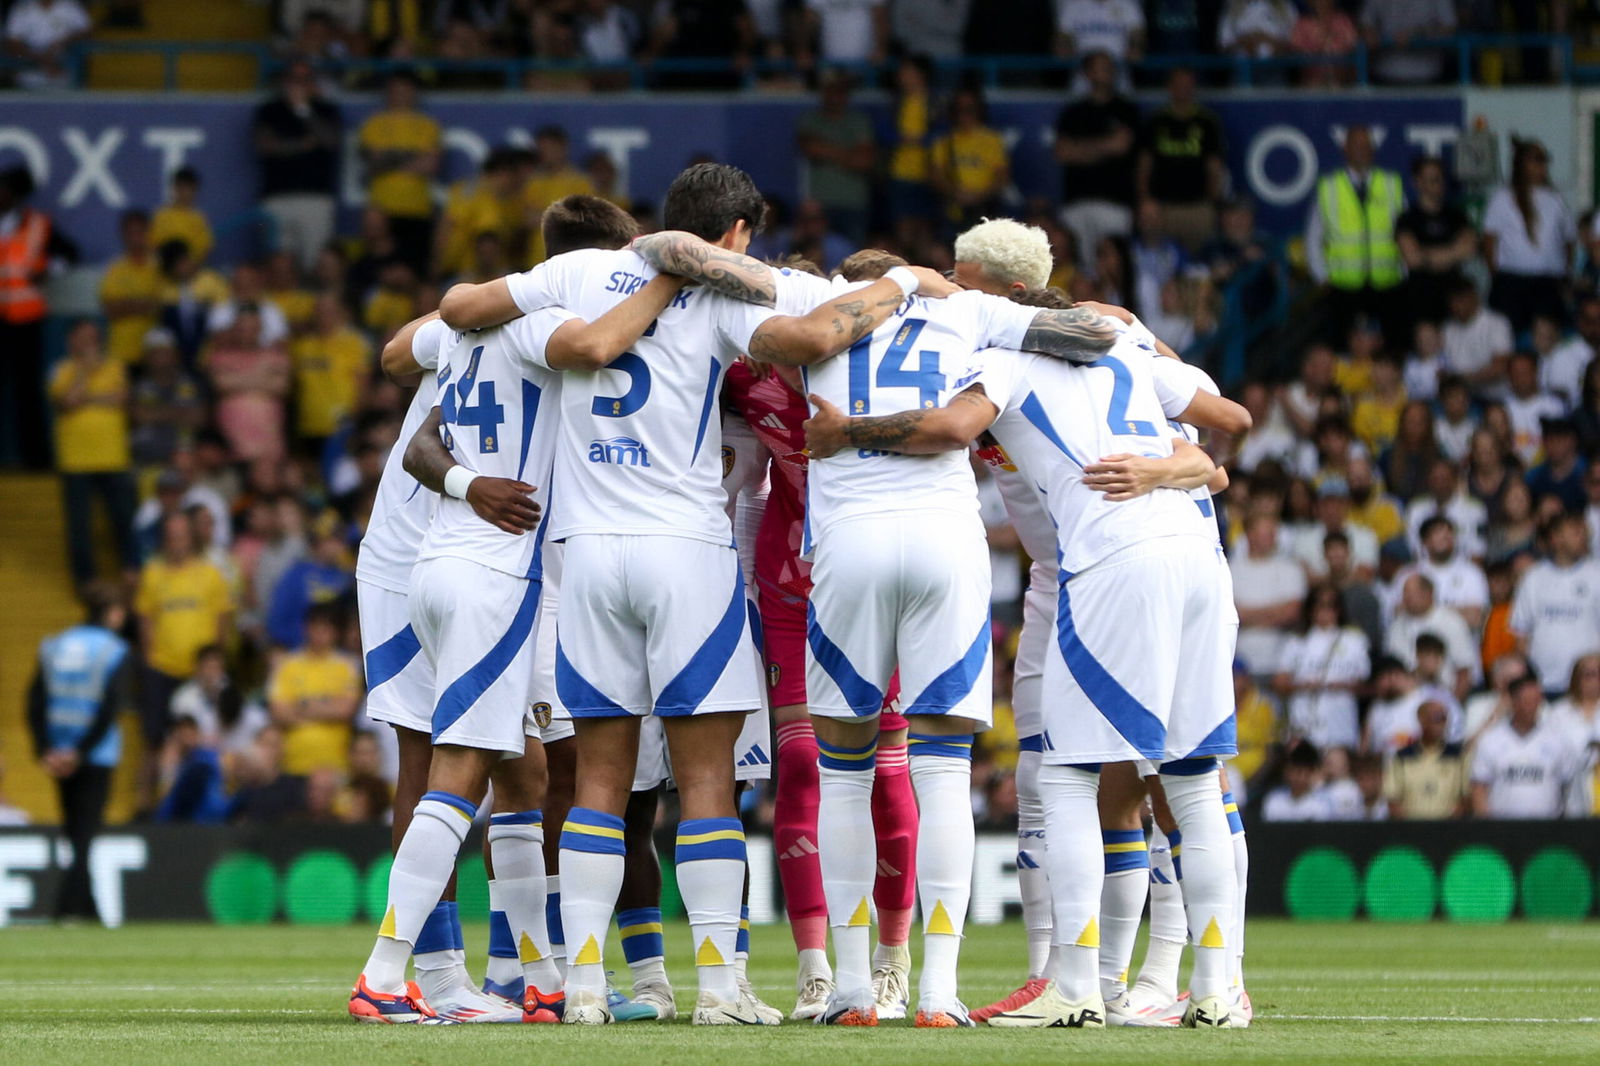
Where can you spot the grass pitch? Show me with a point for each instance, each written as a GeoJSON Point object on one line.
{"type": "Point", "coordinates": [173, 994]}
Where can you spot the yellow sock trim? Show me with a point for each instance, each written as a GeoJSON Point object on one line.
{"type": "Point", "coordinates": [387, 928]}
{"type": "Point", "coordinates": [1212, 937]}
{"type": "Point", "coordinates": [862, 916]}
{"type": "Point", "coordinates": [527, 950]}
{"type": "Point", "coordinates": [939, 921]}
{"type": "Point", "coordinates": [1090, 937]}
{"type": "Point", "coordinates": [708, 955]}
{"type": "Point", "coordinates": [589, 954]}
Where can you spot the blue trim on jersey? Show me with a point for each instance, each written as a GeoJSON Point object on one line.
{"type": "Point", "coordinates": [1137, 725]}
{"type": "Point", "coordinates": [1190, 767]}
{"type": "Point", "coordinates": [392, 656]}
{"type": "Point", "coordinates": [689, 689]}
{"type": "Point", "coordinates": [436, 934]}
{"type": "Point", "coordinates": [1223, 740]}
{"type": "Point", "coordinates": [705, 410]}
{"type": "Point", "coordinates": [450, 799]}
{"type": "Point", "coordinates": [531, 395]}
{"type": "Point", "coordinates": [470, 686]}
{"type": "Point", "coordinates": [947, 690]}
{"type": "Point", "coordinates": [864, 698]}
{"type": "Point", "coordinates": [757, 635]}
{"type": "Point", "coordinates": [1033, 411]}
{"type": "Point", "coordinates": [536, 561]}
{"type": "Point", "coordinates": [581, 699]}
{"type": "Point", "coordinates": [1031, 743]}
{"type": "Point", "coordinates": [1204, 503]}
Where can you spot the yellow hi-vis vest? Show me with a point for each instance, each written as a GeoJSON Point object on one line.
{"type": "Point", "coordinates": [1358, 239]}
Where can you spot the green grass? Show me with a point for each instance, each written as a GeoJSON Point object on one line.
{"type": "Point", "coordinates": [1523, 993]}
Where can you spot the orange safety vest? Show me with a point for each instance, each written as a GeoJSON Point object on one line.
{"type": "Point", "coordinates": [22, 260]}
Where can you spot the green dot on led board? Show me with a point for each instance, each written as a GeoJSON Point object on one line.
{"type": "Point", "coordinates": [1478, 886]}
{"type": "Point", "coordinates": [375, 890]}
{"type": "Point", "coordinates": [1401, 886]}
{"type": "Point", "coordinates": [242, 889]}
{"type": "Point", "coordinates": [321, 888]}
{"type": "Point", "coordinates": [1322, 886]}
{"type": "Point", "coordinates": [1556, 885]}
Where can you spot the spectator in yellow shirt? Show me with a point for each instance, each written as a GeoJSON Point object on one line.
{"type": "Point", "coordinates": [912, 202]}
{"type": "Point", "coordinates": [1256, 717]}
{"type": "Point", "coordinates": [89, 392]}
{"type": "Point", "coordinates": [313, 694]}
{"type": "Point", "coordinates": [181, 219]}
{"type": "Point", "coordinates": [1376, 418]}
{"type": "Point", "coordinates": [330, 365]}
{"type": "Point", "coordinates": [130, 290]}
{"type": "Point", "coordinates": [285, 289]}
{"type": "Point", "coordinates": [183, 604]}
{"type": "Point", "coordinates": [553, 178]}
{"type": "Point", "coordinates": [491, 202]}
{"type": "Point", "coordinates": [400, 150]}
{"type": "Point", "coordinates": [1370, 505]}
{"type": "Point", "coordinates": [970, 167]}
{"type": "Point", "coordinates": [393, 302]}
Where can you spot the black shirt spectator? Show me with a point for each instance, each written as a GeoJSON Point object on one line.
{"type": "Point", "coordinates": [1436, 238]}
{"type": "Point", "coordinates": [297, 143]}
{"type": "Point", "coordinates": [1022, 27]}
{"type": "Point", "coordinates": [1180, 163]}
{"type": "Point", "coordinates": [1097, 147]}
{"type": "Point", "coordinates": [701, 30]}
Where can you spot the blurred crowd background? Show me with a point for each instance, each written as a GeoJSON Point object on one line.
{"type": "Point", "coordinates": [1411, 524]}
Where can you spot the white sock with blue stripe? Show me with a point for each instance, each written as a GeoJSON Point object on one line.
{"type": "Point", "coordinates": [1077, 874]}
{"type": "Point", "coordinates": [710, 860]}
{"type": "Point", "coordinates": [422, 867]}
{"type": "Point", "coordinates": [591, 871]}
{"type": "Point", "coordinates": [849, 858]}
{"type": "Point", "coordinates": [516, 846]}
{"type": "Point", "coordinates": [639, 929]}
{"type": "Point", "coordinates": [941, 775]}
{"type": "Point", "coordinates": [1209, 885]}
{"type": "Point", "coordinates": [1033, 882]}
{"type": "Point", "coordinates": [1127, 866]}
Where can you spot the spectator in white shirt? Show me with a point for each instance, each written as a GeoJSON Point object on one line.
{"type": "Point", "coordinates": [1579, 714]}
{"type": "Point", "coordinates": [1561, 372]}
{"type": "Point", "coordinates": [1556, 613]}
{"type": "Point", "coordinates": [1301, 399]}
{"type": "Point", "coordinates": [1397, 22]}
{"type": "Point", "coordinates": [1115, 27]}
{"type": "Point", "coordinates": [850, 31]}
{"type": "Point", "coordinates": [1446, 497]}
{"type": "Point", "coordinates": [1484, 709]}
{"type": "Point", "coordinates": [1420, 613]}
{"type": "Point", "coordinates": [1477, 340]}
{"type": "Point", "coordinates": [1455, 424]}
{"type": "Point", "coordinates": [1269, 436]}
{"type": "Point", "coordinates": [1591, 511]}
{"type": "Point", "coordinates": [1524, 765]}
{"type": "Point", "coordinates": [1256, 28]}
{"type": "Point", "coordinates": [608, 32]}
{"type": "Point", "coordinates": [1321, 670]}
{"type": "Point", "coordinates": [1458, 582]}
{"type": "Point", "coordinates": [39, 32]}
{"type": "Point", "coordinates": [1269, 588]}
{"type": "Point", "coordinates": [1333, 515]}
{"type": "Point", "coordinates": [1528, 235]}
{"type": "Point", "coordinates": [1528, 407]}
{"type": "Point", "coordinates": [1299, 799]}
{"type": "Point", "coordinates": [1425, 362]}
{"type": "Point", "coordinates": [1399, 694]}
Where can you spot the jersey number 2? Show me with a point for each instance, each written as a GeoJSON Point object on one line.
{"type": "Point", "coordinates": [1117, 419]}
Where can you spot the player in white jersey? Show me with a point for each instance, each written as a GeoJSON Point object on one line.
{"type": "Point", "coordinates": [474, 598]}
{"type": "Point", "coordinates": [1150, 558]}
{"type": "Point", "coordinates": [654, 618]}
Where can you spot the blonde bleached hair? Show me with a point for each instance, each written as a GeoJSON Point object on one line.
{"type": "Point", "coordinates": [1007, 251]}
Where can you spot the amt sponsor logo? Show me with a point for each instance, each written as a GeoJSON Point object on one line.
{"type": "Point", "coordinates": [619, 451]}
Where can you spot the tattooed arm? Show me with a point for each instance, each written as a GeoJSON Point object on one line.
{"type": "Point", "coordinates": [839, 322]}
{"type": "Point", "coordinates": [926, 431]}
{"type": "Point", "coordinates": [1076, 334]}
{"type": "Point", "coordinates": [718, 269]}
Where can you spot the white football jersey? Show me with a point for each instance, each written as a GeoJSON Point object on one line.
{"type": "Point", "coordinates": [920, 358]}
{"type": "Point", "coordinates": [499, 403]}
{"type": "Point", "coordinates": [1025, 508]}
{"type": "Point", "coordinates": [402, 508]}
{"type": "Point", "coordinates": [1056, 418]}
{"type": "Point", "coordinates": [641, 444]}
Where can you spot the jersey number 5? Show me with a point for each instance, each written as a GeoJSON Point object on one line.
{"type": "Point", "coordinates": [638, 372]}
{"type": "Point", "coordinates": [486, 414]}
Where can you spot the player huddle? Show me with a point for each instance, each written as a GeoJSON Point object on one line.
{"type": "Point", "coordinates": [661, 502]}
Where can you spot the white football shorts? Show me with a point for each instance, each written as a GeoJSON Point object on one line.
{"type": "Point", "coordinates": [904, 590]}
{"type": "Point", "coordinates": [399, 679]}
{"type": "Point", "coordinates": [476, 626]}
{"type": "Point", "coordinates": [654, 625]}
{"type": "Point", "coordinates": [1141, 666]}
{"type": "Point", "coordinates": [752, 759]}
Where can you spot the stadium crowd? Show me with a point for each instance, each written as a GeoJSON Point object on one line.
{"type": "Point", "coordinates": [1412, 523]}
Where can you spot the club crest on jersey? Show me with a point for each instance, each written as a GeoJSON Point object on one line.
{"type": "Point", "coordinates": [774, 672]}
{"type": "Point", "coordinates": [729, 454]}
{"type": "Point", "coordinates": [619, 451]}
{"type": "Point", "coordinates": [542, 715]}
